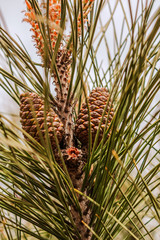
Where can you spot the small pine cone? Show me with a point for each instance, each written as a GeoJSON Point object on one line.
{"type": "Point", "coordinates": [33, 118]}
{"type": "Point", "coordinates": [97, 103]}
{"type": "Point", "coordinates": [75, 160]}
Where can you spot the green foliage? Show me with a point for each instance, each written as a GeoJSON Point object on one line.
{"type": "Point", "coordinates": [35, 193]}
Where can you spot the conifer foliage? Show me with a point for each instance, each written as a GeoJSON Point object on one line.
{"type": "Point", "coordinates": [75, 166]}
{"type": "Point", "coordinates": [74, 158]}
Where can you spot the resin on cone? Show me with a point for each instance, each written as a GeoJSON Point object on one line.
{"type": "Point", "coordinates": [97, 104]}
{"type": "Point", "coordinates": [33, 119]}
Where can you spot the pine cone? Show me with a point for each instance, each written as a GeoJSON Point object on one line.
{"type": "Point", "coordinates": [97, 103]}
{"type": "Point", "coordinates": [75, 160]}
{"type": "Point", "coordinates": [33, 119]}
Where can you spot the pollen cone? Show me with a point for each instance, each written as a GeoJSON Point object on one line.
{"type": "Point", "coordinates": [97, 104]}
{"type": "Point", "coordinates": [33, 119]}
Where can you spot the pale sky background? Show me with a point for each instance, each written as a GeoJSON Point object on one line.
{"type": "Point", "coordinates": [13, 15]}
{"type": "Point", "coordinates": [12, 11]}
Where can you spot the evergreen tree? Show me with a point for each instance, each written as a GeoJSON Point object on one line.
{"type": "Point", "coordinates": [84, 162]}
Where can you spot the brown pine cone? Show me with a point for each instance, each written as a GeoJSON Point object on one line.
{"type": "Point", "coordinates": [33, 118]}
{"type": "Point", "coordinates": [97, 102]}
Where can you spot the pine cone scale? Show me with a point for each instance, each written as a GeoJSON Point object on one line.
{"type": "Point", "coordinates": [99, 113]}
{"type": "Point", "coordinates": [33, 118]}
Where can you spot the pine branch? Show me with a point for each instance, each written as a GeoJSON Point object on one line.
{"type": "Point", "coordinates": [83, 164]}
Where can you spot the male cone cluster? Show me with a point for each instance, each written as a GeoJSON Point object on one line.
{"type": "Point", "coordinates": [101, 109]}
{"type": "Point", "coordinates": [33, 119]}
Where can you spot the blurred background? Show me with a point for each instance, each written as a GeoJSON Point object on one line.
{"type": "Point", "coordinates": [11, 18]}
